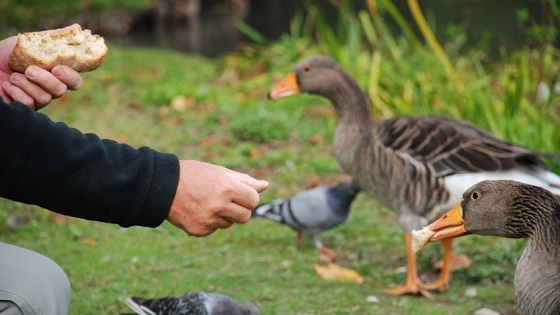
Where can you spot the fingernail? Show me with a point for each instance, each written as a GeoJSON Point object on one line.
{"type": "Point", "coordinates": [31, 72]}
{"type": "Point", "coordinates": [16, 76]}
{"type": "Point", "coordinates": [58, 72]}
{"type": "Point", "coordinates": [6, 84]}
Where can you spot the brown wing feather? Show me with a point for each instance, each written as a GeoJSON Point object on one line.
{"type": "Point", "coordinates": [453, 146]}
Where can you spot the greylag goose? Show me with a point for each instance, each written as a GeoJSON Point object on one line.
{"type": "Point", "coordinates": [515, 210]}
{"type": "Point", "coordinates": [415, 165]}
{"type": "Point", "coordinates": [313, 211]}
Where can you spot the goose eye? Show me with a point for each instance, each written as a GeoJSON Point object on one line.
{"type": "Point", "coordinates": [305, 69]}
{"type": "Point", "coordinates": [474, 195]}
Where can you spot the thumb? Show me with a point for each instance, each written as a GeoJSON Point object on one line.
{"type": "Point", "coordinates": [67, 28]}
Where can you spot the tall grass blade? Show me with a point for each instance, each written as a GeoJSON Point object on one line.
{"type": "Point", "coordinates": [368, 28]}
{"type": "Point", "coordinates": [401, 22]}
{"type": "Point", "coordinates": [252, 33]}
{"type": "Point", "coordinates": [434, 45]}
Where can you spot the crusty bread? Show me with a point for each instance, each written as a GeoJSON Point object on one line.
{"type": "Point", "coordinates": [421, 237]}
{"type": "Point", "coordinates": [78, 49]}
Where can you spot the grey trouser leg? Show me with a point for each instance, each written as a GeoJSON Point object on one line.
{"type": "Point", "coordinates": [9, 308]}
{"type": "Point", "coordinates": [33, 282]}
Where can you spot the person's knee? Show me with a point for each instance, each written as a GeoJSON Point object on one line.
{"type": "Point", "coordinates": [56, 283]}
{"type": "Point", "coordinates": [52, 292]}
{"type": "Point", "coordinates": [33, 281]}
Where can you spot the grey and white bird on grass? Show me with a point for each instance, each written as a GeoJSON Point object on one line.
{"type": "Point", "coordinates": [313, 211]}
{"type": "Point", "coordinates": [192, 303]}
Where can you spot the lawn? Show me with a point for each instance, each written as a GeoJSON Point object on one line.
{"type": "Point", "coordinates": [216, 110]}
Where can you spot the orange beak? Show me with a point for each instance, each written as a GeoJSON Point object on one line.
{"type": "Point", "coordinates": [450, 225]}
{"type": "Point", "coordinates": [286, 87]}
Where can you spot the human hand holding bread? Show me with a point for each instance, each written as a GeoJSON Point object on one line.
{"type": "Point", "coordinates": [42, 66]}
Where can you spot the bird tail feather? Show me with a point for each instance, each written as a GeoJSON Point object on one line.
{"type": "Point", "coordinates": [136, 305]}
{"type": "Point", "coordinates": [271, 211]}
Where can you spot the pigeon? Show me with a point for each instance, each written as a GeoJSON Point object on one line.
{"type": "Point", "coordinates": [313, 211]}
{"type": "Point", "coordinates": [192, 303]}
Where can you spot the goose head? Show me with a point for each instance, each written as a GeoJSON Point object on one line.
{"type": "Point", "coordinates": [315, 75]}
{"type": "Point", "coordinates": [500, 208]}
{"type": "Point", "coordinates": [322, 76]}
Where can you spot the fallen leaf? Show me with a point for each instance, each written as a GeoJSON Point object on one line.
{"type": "Point", "coordinates": [182, 103]}
{"type": "Point", "coordinates": [254, 154]}
{"type": "Point", "coordinates": [208, 141]}
{"type": "Point", "coordinates": [337, 273]}
{"type": "Point", "coordinates": [88, 241]}
{"type": "Point", "coordinates": [57, 218]}
{"type": "Point", "coordinates": [457, 262]}
{"type": "Point", "coordinates": [316, 139]}
{"type": "Point", "coordinates": [133, 105]}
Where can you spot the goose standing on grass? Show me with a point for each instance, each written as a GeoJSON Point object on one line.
{"type": "Point", "coordinates": [416, 165]}
{"type": "Point", "coordinates": [313, 211]}
{"type": "Point", "coordinates": [515, 210]}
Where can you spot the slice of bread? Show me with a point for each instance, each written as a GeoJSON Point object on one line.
{"type": "Point", "coordinates": [421, 238]}
{"type": "Point", "coordinates": [78, 49]}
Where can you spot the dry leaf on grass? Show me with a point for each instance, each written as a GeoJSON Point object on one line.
{"type": "Point", "coordinates": [337, 273]}
{"type": "Point", "coordinates": [88, 241]}
{"type": "Point", "coordinates": [457, 262]}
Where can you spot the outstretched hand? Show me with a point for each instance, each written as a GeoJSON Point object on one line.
{"type": "Point", "coordinates": [36, 87]}
{"type": "Point", "coordinates": [211, 197]}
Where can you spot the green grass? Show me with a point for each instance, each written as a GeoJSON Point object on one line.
{"type": "Point", "coordinates": [229, 121]}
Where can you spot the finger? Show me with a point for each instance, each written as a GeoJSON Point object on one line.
{"type": "Point", "coordinates": [237, 214]}
{"type": "Point", "coordinates": [222, 223]}
{"type": "Point", "coordinates": [68, 76]}
{"type": "Point", "coordinates": [199, 232]}
{"type": "Point", "coordinates": [46, 80]}
{"type": "Point", "coordinates": [4, 92]}
{"type": "Point", "coordinates": [8, 45]}
{"type": "Point", "coordinates": [40, 96]}
{"type": "Point", "coordinates": [245, 196]}
{"type": "Point", "coordinates": [64, 29]}
{"type": "Point", "coordinates": [17, 94]}
{"type": "Point", "coordinates": [257, 184]}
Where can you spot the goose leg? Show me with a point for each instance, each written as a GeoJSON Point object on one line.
{"type": "Point", "coordinates": [413, 284]}
{"type": "Point", "coordinates": [442, 282]}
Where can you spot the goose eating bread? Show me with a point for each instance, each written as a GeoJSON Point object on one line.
{"type": "Point", "coordinates": [514, 210]}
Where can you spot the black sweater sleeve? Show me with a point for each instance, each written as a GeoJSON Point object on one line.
{"type": "Point", "coordinates": [59, 168]}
